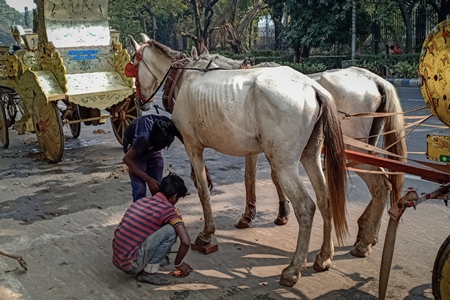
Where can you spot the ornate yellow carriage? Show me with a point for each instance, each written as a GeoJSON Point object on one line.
{"type": "Point", "coordinates": [67, 73]}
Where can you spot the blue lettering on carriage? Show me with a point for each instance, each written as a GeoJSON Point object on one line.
{"type": "Point", "coordinates": [83, 54]}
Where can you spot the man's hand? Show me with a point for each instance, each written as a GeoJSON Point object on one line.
{"type": "Point", "coordinates": [153, 186]}
{"type": "Point", "coordinates": [185, 269]}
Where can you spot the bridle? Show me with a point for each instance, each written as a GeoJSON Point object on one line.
{"type": "Point", "coordinates": [132, 70]}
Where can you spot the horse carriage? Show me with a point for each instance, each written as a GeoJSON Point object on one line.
{"type": "Point", "coordinates": [67, 71]}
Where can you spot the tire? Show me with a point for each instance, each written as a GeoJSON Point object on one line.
{"type": "Point", "coordinates": [4, 134]}
{"type": "Point", "coordinates": [75, 128]}
{"type": "Point", "coordinates": [441, 272]}
{"type": "Point", "coordinates": [49, 128]}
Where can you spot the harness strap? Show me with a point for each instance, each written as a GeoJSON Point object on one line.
{"type": "Point", "coordinates": [170, 83]}
{"type": "Point", "coordinates": [377, 114]}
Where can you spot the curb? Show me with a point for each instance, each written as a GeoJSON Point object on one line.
{"type": "Point", "coordinates": [404, 82]}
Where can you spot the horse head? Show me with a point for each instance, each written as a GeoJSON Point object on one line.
{"type": "Point", "coordinates": [151, 62]}
{"type": "Point", "coordinates": [204, 60]}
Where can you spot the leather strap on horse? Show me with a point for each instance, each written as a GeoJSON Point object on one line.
{"type": "Point", "coordinates": [174, 74]}
{"type": "Point", "coordinates": [378, 114]}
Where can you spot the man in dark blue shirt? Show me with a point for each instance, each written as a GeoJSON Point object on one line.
{"type": "Point", "coordinates": [143, 141]}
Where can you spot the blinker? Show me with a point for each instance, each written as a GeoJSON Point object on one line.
{"type": "Point", "coordinates": [131, 70]}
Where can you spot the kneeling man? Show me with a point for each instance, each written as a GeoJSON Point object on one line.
{"type": "Point", "coordinates": [147, 232]}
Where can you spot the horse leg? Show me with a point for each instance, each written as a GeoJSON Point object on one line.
{"type": "Point", "coordinates": [250, 193]}
{"type": "Point", "coordinates": [283, 208]}
{"type": "Point", "coordinates": [311, 161]}
{"type": "Point", "coordinates": [304, 209]}
{"type": "Point", "coordinates": [196, 158]}
{"type": "Point", "coordinates": [370, 221]}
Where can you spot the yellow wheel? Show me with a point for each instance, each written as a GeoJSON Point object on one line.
{"type": "Point", "coordinates": [49, 129]}
{"type": "Point", "coordinates": [123, 114]}
{"type": "Point", "coordinates": [441, 272]}
{"type": "Point", "coordinates": [4, 134]}
{"type": "Point", "coordinates": [434, 70]}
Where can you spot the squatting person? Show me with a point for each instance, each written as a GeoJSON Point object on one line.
{"type": "Point", "coordinates": [147, 232]}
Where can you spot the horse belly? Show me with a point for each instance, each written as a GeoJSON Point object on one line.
{"type": "Point", "coordinates": [219, 117]}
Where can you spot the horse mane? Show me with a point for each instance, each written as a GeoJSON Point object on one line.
{"type": "Point", "coordinates": [227, 60]}
{"type": "Point", "coordinates": [173, 54]}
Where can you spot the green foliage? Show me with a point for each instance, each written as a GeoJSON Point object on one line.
{"type": "Point", "coordinates": [370, 65]}
{"type": "Point", "coordinates": [404, 69]}
{"type": "Point", "coordinates": [323, 23]}
{"type": "Point", "coordinates": [8, 16]}
{"type": "Point", "coordinates": [308, 67]}
{"type": "Point", "coordinates": [129, 17]}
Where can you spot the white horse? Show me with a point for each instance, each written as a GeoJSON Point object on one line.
{"type": "Point", "coordinates": [275, 111]}
{"type": "Point", "coordinates": [355, 90]}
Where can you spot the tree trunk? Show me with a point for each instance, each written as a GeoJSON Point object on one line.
{"type": "Point", "coordinates": [297, 55]}
{"type": "Point", "coordinates": [278, 29]}
{"type": "Point", "coordinates": [304, 52]}
{"type": "Point", "coordinates": [405, 11]}
{"type": "Point", "coordinates": [154, 26]}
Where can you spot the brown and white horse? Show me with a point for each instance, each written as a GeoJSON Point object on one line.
{"type": "Point", "coordinates": [275, 111]}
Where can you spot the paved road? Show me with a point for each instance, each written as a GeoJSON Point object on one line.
{"type": "Point", "coordinates": [61, 218]}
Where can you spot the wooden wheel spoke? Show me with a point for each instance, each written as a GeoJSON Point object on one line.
{"type": "Point", "coordinates": [129, 112]}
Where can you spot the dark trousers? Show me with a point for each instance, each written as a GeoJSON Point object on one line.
{"type": "Point", "coordinates": [154, 167]}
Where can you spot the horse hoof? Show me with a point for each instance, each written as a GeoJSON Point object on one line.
{"type": "Point", "coordinates": [289, 280]}
{"type": "Point", "coordinates": [321, 266]}
{"type": "Point", "coordinates": [202, 239]}
{"type": "Point", "coordinates": [281, 221]}
{"type": "Point", "coordinates": [243, 223]}
{"type": "Point", "coordinates": [361, 251]}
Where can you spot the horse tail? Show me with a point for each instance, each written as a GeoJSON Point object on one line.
{"type": "Point", "coordinates": [394, 141]}
{"type": "Point", "coordinates": [334, 161]}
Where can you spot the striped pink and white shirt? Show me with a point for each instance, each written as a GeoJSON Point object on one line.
{"type": "Point", "coordinates": [142, 218]}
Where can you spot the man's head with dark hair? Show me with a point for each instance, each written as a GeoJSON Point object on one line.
{"type": "Point", "coordinates": [163, 133]}
{"type": "Point", "coordinates": [172, 185]}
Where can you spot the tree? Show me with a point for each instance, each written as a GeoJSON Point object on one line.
{"type": "Point", "coordinates": [277, 12]}
{"type": "Point", "coordinates": [132, 17]}
{"type": "Point", "coordinates": [229, 30]}
{"type": "Point", "coordinates": [203, 11]}
{"type": "Point", "coordinates": [309, 28]}
{"type": "Point", "coordinates": [9, 17]}
{"type": "Point", "coordinates": [406, 7]}
{"type": "Point", "coordinates": [442, 8]}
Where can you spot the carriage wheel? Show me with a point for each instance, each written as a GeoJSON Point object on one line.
{"type": "Point", "coordinates": [441, 272]}
{"type": "Point", "coordinates": [49, 129]}
{"type": "Point", "coordinates": [75, 128]}
{"type": "Point", "coordinates": [123, 114]}
{"type": "Point", "coordinates": [4, 134]}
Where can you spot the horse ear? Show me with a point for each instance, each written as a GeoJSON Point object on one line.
{"type": "Point", "coordinates": [134, 44]}
{"type": "Point", "coordinates": [204, 50]}
{"type": "Point", "coordinates": [194, 53]}
{"type": "Point", "coordinates": [145, 38]}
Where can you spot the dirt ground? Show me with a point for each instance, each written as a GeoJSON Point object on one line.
{"type": "Point", "coordinates": [61, 218]}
